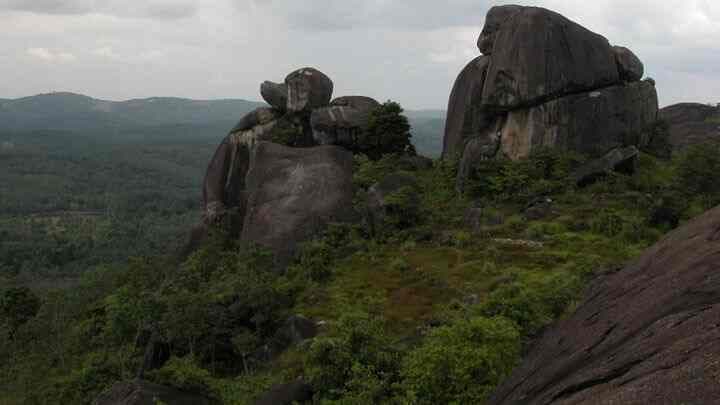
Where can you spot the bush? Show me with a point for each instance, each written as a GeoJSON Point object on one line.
{"type": "Point", "coordinates": [698, 169]}
{"type": "Point", "coordinates": [461, 363]}
{"type": "Point", "coordinates": [184, 374]}
{"type": "Point", "coordinates": [388, 132]}
{"type": "Point", "coordinates": [358, 355]}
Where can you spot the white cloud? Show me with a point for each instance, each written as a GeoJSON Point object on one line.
{"type": "Point", "coordinates": [50, 56]}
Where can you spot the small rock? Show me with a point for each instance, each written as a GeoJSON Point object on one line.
{"type": "Point", "coordinates": [622, 160]}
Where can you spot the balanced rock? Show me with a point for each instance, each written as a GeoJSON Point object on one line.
{"type": "Point", "coordinates": [275, 94]}
{"type": "Point", "coordinates": [629, 65]}
{"type": "Point", "coordinates": [646, 334]}
{"type": "Point", "coordinates": [308, 88]}
{"type": "Point", "coordinates": [538, 54]}
{"type": "Point", "coordinates": [139, 392]}
{"type": "Point", "coordinates": [293, 193]}
{"type": "Point", "coordinates": [343, 122]}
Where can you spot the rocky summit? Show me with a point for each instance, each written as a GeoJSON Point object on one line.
{"type": "Point", "coordinates": [691, 124]}
{"type": "Point", "coordinates": [545, 81]}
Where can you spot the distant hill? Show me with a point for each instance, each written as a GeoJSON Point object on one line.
{"type": "Point", "coordinates": [82, 114]}
{"type": "Point", "coordinates": [75, 112]}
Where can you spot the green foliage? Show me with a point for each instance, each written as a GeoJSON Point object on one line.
{"type": "Point", "coordinates": [185, 374]}
{"type": "Point", "coordinates": [532, 301]}
{"type": "Point", "coordinates": [17, 306]}
{"type": "Point", "coordinates": [357, 361]}
{"type": "Point", "coordinates": [545, 172]}
{"type": "Point", "coordinates": [461, 363]}
{"type": "Point", "coordinates": [698, 170]}
{"type": "Point", "coordinates": [388, 132]}
{"type": "Point", "coordinates": [367, 172]}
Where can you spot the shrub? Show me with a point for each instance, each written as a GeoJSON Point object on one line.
{"type": "Point", "coordinates": [356, 356]}
{"type": "Point", "coordinates": [17, 306]}
{"type": "Point", "coordinates": [184, 374]}
{"type": "Point", "coordinates": [462, 362]}
{"type": "Point", "coordinates": [388, 132]}
{"type": "Point", "coordinates": [698, 169]}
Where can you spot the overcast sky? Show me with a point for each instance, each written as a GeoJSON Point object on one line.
{"type": "Point", "coordinates": [406, 50]}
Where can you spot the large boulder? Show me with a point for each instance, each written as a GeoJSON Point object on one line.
{"type": "Point", "coordinates": [465, 117]}
{"type": "Point", "coordinates": [224, 181]}
{"type": "Point", "coordinates": [629, 65]}
{"type": "Point", "coordinates": [622, 160]}
{"type": "Point", "coordinates": [646, 334]}
{"type": "Point", "coordinates": [538, 54]}
{"type": "Point", "coordinates": [494, 20]}
{"type": "Point", "coordinates": [294, 193]}
{"type": "Point", "coordinates": [343, 122]}
{"type": "Point", "coordinates": [275, 94]}
{"type": "Point", "coordinates": [308, 88]}
{"type": "Point", "coordinates": [691, 124]}
{"type": "Point", "coordinates": [592, 123]}
{"type": "Point", "coordinates": [139, 392]}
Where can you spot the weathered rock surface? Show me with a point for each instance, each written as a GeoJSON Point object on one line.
{"type": "Point", "coordinates": [287, 394]}
{"type": "Point", "coordinates": [691, 124]}
{"type": "Point", "coordinates": [629, 65]}
{"type": "Point", "coordinates": [646, 334]}
{"type": "Point", "coordinates": [308, 88]}
{"type": "Point", "coordinates": [622, 160]}
{"type": "Point", "coordinates": [343, 122]}
{"type": "Point", "coordinates": [591, 123]}
{"type": "Point", "coordinates": [464, 114]}
{"type": "Point", "coordinates": [139, 392]}
{"type": "Point", "coordinates": [538, 54]}
{"type": "Point", "coordinates": [545, 82]}
{"type": "Point", "coordinates": [294, 193]}
{"type": "Point", "coordinates": [275, 94]}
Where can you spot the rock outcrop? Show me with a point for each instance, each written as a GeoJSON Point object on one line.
{"type": "Point", "coordinates": [293, 193]}
{"type": "Point", "coordinates": [691, 124]}
{"type": "Point", "coordinates": [646, 334]}
{"type": "Point", "coordinates": [139, 392]}
{"type": "Point", "coordinates": [268, 183]}
{"type": "Point", "coordinates": [545, 81]}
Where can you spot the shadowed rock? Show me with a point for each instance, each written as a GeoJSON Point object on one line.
{"type": "Point", "coordinates": [275, 94]}
{"type": "Point", "coordinates": [465, 117]}
{"type": "Point", "coordinates": [646, 334]}
{"type": "Point", "coordinates": [621, 160]}
{"type": "Point", "coordinates": [294, 193]}
{"type": "Point", "coordinates": [538, 54]}
{"type": "Point", "coordinates": [343, 122]}
{"type": "Point", "coordinates": [629, 65]}
{"type": "Point", "coordinates": [308, 88]}
{"type": "Point", "coordinates": [139, 392]}
{"type": "Point", "coordinates": [495, 18]}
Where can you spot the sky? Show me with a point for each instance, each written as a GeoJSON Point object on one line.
{"type": "Point", "coordinates": [409, 51]}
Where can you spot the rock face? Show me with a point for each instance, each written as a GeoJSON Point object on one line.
{"type": "Point", "coordinates": [691, 124]}
{"type": "Point", "coordinates": [538, 54]}
{"type": "Point", "coordinates": [622, 160]}
{"type": "Point", "coordinates": [648, 333]}
{"type": "Point", "coordinates": [308, 88]}
{"type": "Point", "coordinates": [545, 81]}
{"type": "Point", "coordinates": [343, 122]}
{"type": "Point", "coordinates": [293, 193]}
{"type": "Point", "coordinates": [140, 392]}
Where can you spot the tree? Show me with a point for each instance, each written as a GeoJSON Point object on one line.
{"type": "Point", "coordinates": [388, 132]}
{"type": "Point", "coordinates": [17, 306]}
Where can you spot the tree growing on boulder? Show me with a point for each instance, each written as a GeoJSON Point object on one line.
{"type": "Point", "coordinates": [388, 132]}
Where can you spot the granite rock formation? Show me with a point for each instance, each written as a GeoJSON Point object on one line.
{"type": "Point", "coordinates": [269, 183]}
{"type": "Point", "coordinates": [646, 334]}
{"type": "Point", "coordinates": [545, 81]}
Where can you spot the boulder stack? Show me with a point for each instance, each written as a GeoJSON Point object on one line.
{"type": "Point", "coordinates": [545, 81]}
{"type": "Point", "coordinates": [284, 171]}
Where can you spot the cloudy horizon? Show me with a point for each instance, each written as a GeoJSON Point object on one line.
{"type": "Point", "coordinates": [406, 50]}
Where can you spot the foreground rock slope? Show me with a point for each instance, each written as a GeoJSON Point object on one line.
{"type": "Point", "coordinates": [545, 81]}
{"type": "Point", "coordinates": [646, 334]}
